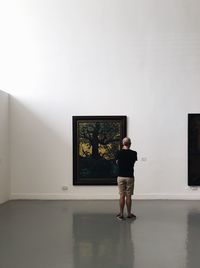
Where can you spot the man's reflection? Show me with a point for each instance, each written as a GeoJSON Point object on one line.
{"type": "Point", "coordinates": [100, 241]}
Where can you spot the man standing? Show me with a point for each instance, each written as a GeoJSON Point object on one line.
{"type": "Point", "coordinates": [126, 159]}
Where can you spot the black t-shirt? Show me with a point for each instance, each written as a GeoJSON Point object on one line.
{"type": "Point", "coordinates": [126, 160]}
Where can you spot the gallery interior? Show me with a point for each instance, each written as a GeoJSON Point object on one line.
{"type": "Point", "coordinates": [135, 59]}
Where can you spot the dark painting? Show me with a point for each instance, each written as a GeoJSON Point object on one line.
{"type": "Point", "coordinates": [194, 149]}
{"type": "Point", "coordinates": [96, 140]}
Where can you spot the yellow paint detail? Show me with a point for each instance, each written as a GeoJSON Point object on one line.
{"type": "Point", "coordinates": [85, 149]}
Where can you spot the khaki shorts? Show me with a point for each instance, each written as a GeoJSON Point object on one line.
{"type": "Point", "coordinates": [125, 185]}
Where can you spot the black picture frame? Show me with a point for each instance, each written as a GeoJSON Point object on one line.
{"type": "Point", "coordinates": [96, 140]}
{"type": "Point", "coordinates": [194, 149]}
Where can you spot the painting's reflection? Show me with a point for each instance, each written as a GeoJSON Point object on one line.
{"type": "Point", "coordinates": [101, 241]}
{"type": "Point", "coordinates": [193, 239]}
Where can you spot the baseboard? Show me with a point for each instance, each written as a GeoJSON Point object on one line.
{"type": "Point", "coordinates": [48, 196]}
{"type": "Point", "coordinates": [2, 201]}
{"type": "Point", "coordinates": [45, 196]}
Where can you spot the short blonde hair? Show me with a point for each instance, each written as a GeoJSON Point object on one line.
{"type": "Point", "coordinates": [126, 141]}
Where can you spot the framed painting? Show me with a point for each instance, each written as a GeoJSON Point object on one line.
{"type": "Point", "coordinates": [194, 149]}
{"type": "Point", "coordinates": [96, 140]}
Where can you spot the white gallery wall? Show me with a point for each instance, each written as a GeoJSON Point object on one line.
{"type": "Point", "coordinates": [4, 147]}
{"type": "Point", "coordinates": [61, 58]}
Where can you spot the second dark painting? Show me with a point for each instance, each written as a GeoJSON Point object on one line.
{"type": "Point", "coordinates": [96, 140]}
{"type": "Point", "coordinates": [194, 149]}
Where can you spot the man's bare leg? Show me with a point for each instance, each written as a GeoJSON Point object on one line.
{"type": "Point", "coordinates": [122, 204]}
{"type": "Point", "coordinates": [128, 204]}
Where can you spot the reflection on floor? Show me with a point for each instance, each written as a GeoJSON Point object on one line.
{"type": "Point", "coordinates": [80, 234]}
{"type": "Point", "coordinates": [193, 239]}
{"type": "Point", "coordinates": [101, 241]}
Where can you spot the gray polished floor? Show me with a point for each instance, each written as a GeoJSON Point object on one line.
{"type": "Point", "coordinates": [86, 234]}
